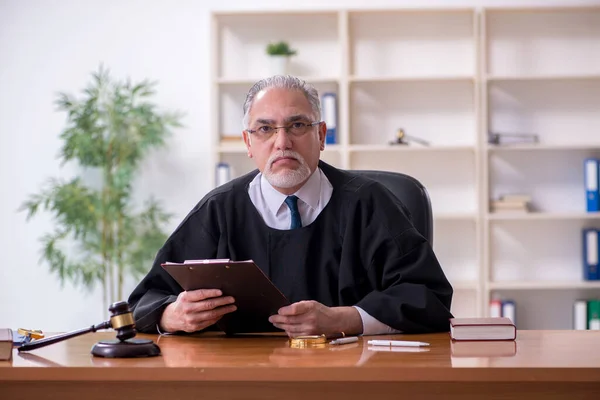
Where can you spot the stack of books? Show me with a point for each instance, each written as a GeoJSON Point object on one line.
{"type": "Point", "coordinates": [519, 203]}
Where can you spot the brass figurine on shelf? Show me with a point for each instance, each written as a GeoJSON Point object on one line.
{"type": "Point", "coordinates": [403, 138]}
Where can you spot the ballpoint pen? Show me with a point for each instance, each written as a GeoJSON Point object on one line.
{"type": "Point", "coordinates": [345, 340]}
{"type": "Point", "coordinates": [396, 343]}
{"type": "Point", "coordinates": [399, 349]}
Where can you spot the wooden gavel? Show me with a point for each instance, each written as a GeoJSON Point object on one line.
{"type": "Point", "coordinates": [121, 320]}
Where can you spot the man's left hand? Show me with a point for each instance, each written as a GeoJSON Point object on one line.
{"type": "Point", "coordinates": [313, 318]}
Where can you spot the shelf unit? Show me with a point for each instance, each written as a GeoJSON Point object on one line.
{"type": "Point", "coordinates": [447, 76]}
{"type": "Point", "coordinates": [541, 74]}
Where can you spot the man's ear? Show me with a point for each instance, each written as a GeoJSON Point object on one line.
{"type": "Point", "coordinates": [322, 134]}
{"type": "Point", "coordinates": [247, 142]}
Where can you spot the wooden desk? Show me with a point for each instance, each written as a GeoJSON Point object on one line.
{"type": "Point", "coordinates": [543, 364]}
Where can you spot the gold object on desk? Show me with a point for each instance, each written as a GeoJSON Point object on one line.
{"type": "Point", "coordinates": [32, 333]}
{"type": "Point", "coordinates": [309, 341]}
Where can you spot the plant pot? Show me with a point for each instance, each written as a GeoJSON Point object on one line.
{"type": "Point", "coordinates": [279, 65]}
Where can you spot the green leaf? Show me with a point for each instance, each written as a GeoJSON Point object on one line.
{"type": "Point", "coordinates": [280, 48]}
{"type": "Point", "coordinates": [111, 126]}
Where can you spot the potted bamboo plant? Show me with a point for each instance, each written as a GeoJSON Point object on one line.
{"type": "Point", "coordinates": [100, 234]}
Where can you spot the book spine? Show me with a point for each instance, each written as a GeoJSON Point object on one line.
{"type": "Point", "coordinates": [580, 320]}
{"type": "Point", "coordinates": [591, 184]}
{"type": "Point", "coordinates": [223, 173]}
{"type": "Point", "coordinates": [509, 310]}
{"type": "Point", "coordinates": [591, 241]}
{"type": "Point", "coordinates": [495, 308]}
{"type": "Point", "coordinates": [329, 107]}
{"type": "Point", "coordinates": [594, 315]}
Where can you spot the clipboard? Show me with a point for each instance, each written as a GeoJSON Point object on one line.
{"type": "Point", "coordinates": [256, 297]}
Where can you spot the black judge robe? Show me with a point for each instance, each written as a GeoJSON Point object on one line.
{"type": "Point", "coordinates": [362, 250]}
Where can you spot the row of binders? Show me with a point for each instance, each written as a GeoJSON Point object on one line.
{"type": "Point", "coordinates": [586, 315]}
{"type": "Point", "coordinates": [503, 308]}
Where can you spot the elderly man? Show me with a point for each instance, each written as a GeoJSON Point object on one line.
{"type": "Point", "coordinates": [340, 247]}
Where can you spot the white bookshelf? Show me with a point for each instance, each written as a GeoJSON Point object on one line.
{"type": "Point", "coordinates": [448, 76]}
{"type": "Point", "coordinates": [540, 70]}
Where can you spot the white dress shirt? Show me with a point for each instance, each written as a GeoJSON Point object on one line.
{"type": "Point", "coordinates": [313, 196]}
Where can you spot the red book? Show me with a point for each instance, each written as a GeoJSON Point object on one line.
{"type": "Point", "coordinates": [494, 328]}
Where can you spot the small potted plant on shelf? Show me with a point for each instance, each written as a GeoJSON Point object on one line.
{"type": "Point", "coordinates": [280, 53]}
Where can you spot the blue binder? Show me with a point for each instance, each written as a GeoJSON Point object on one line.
{"type": "Point", "coordinates": [509, 310]}
{"type": "Point", "coordinates": [590, 254]}
{"type": "Point", "coordinates": [222, 174]}
{"type": "Point", "coordinates": [591, 184]}
{"type": "Point", "coordinates": [329, 106]}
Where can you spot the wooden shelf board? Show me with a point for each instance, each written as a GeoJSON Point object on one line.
{"type": "Point", "coordinates": [411, 10]}
{"type": "Point", "coordinates": [544, 147]}
{"type": "Point", "coordinates": [404, 148]}
{"type": "Point", "coordinates": [274, 12]}
{"type": "Point", "coordinates": [333, 147]}
{"type": "Point", "coordinates": [534, 78]}
{"type": "Point", "coordinates": [251, 81]}
{"type": "Point", "coordinates": [539, 10]}
{"type": "Point", "coordinates": [544, 285]}
{"type": "Point", "coordinates": [241, 148]}
{"type": "Point", "coordinates": [430, 78]}
{"type": "Point", "coordinates": [543, 216]}
{"type": "Point", "coordinates": [231, 148]}
{"type": "Point", "coordinates": [454, 216]}
{"type": "Point", "coordinates": [465, 285]}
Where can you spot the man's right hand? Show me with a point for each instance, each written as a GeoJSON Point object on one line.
{"type": "Point", "coordinates": [196, 310]}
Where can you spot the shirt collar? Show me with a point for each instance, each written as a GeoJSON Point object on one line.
{"type": "Point", "coordinates": [309, 193]}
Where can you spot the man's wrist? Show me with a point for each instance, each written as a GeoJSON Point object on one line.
{"type": "Point", "coordinates": [349, 321]}
{"type": "Point", "coordinates": [163, 323]}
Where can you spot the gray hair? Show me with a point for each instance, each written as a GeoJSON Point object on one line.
{"type": "Point", "coordinates": [282, 82]}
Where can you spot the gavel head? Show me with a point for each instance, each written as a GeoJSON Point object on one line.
{"type": "Point", "coordinates": [121, 320]}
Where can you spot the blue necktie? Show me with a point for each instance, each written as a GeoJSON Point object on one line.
{"type": "Point", "coordinates": [292, 203]}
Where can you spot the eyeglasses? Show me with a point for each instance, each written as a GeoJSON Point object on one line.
{"type": "Point", "coordinates": [296, 129]}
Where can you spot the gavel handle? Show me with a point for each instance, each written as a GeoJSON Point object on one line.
{"type": "Point", "coordinates": [36, 344]}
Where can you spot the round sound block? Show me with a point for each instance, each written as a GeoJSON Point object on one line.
{"type": "Point", "coordinates": [129, 348]}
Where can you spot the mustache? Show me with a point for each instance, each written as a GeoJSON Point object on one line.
{"type": "Point", "coordinates": [286, 154]}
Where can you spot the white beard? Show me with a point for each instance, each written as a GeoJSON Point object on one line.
{"type": "Point", "coordinates": [286, 178]}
